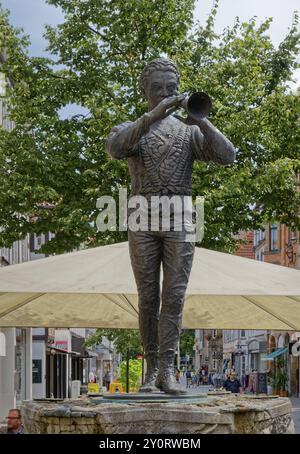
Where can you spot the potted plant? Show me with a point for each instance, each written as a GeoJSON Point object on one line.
{"type": "Point", "coordinates": [281, 382]}
{"type": "Point", "coordinates": [281, 377]}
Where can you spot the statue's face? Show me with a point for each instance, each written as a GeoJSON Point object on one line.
{"type": "Point", "coordinates": [161, 84]}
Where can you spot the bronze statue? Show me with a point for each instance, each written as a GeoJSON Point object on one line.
{"type": "Point", "coordinates": [160, 150]}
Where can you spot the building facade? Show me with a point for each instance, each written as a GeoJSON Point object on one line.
{"type": "Point", "coordinates": [16, 354]}
{"type": "Point", "coordinates": [245, 350]}
{"type": "Point", "coordinates": [280, 245]}
{"type": "Point", "coordinates": [209, 350]}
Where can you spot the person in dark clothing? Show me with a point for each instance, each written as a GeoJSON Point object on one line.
{"type": "Point", "coordinates": [107, 379]}
{"type": "Point", "coordinates": [188, 378]}
{"type": "Point", "coordinates": [233, 384]}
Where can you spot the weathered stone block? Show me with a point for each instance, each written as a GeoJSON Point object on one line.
{"type": "Point", "coordinates": [226, 414]}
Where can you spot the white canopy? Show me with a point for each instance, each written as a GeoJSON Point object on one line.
{"type": "Point", "coordinates": [96, 288]}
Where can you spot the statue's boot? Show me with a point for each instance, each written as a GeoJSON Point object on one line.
{"type": "Point", "coordinates": [151, 374]}
{"type": "Point", "coordinates": [166, 380]}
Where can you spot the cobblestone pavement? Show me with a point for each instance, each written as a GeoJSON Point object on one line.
{"type": "Point", "coordinates": [196, 389]}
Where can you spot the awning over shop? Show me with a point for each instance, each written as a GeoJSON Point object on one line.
{"type": "Point", "coordinates": [61, 351]}
{"type": "Point", "coordinates": [275, 354]}
{"type": "Point", "coordinates": [96, 288]}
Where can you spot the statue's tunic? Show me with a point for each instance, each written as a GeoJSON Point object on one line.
{"type": "Point", "coordinates": [160, 160]}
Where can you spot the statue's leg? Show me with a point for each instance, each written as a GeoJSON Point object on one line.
{"type": "Point", "coordinates": [177, 263]}
{"type": "Point", "coordinates": [145, 253]}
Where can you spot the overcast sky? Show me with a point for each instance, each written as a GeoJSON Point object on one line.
{"type": "Point", "coordinates": [280, 10]}
{"type": "Point", "coordinates": [32, 15]}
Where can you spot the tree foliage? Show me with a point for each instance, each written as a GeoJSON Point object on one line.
{"type": "Point", "coordinates": [187, 341]}
{"type": "Point", "coordinates": [55, 169]}
{"type": "Point", "coordinates": [125, 340]}
{"type": "Point", "coordinates": [135, 374]}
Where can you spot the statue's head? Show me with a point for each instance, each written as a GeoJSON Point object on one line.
{"type": "Point", "coordinates": [159, 80]}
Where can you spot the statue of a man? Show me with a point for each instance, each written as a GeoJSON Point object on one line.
{"type": "Point", "coordinates": [160, 150]}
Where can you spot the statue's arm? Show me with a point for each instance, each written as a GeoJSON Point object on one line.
{"type": "Point", "coordinates": [123, 139]}
{"type": "Point", "coordinates": [209, 144]}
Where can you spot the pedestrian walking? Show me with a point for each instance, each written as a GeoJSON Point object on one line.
{"type": "Point", "coordinates": [188, 375]}
{"type": "Point", "coordinates": [107, 379]}
{"type": "Point", "coordinates": [194, 379]}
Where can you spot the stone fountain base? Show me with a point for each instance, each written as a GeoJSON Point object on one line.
{"type": "Point", "coordinates": [161, 414]}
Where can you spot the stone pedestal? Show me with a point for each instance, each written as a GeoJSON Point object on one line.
{"type": "Point", "coordinates": [224, 414]}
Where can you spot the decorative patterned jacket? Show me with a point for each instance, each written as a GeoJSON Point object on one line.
{"type": "Point", "coordinates": [161, 156]}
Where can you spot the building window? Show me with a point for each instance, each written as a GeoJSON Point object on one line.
{"type": "Point", "coordinates": [257, 237]}
{"type": "Point", "coordinates": [292, 235]}
{"type": "Point", "coordinates": [273, 237]}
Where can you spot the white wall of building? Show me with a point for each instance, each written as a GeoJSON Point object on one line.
{"type": "Point", "coordinates": [8, 372]}
{"type": "Point", "coordinates": [7, 368]}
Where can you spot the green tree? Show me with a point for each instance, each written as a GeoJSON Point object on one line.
{"type": "Point", "coordinates": [55, 169]}
{"type": "Point", "coordinates": [125, 340]}
{"type": "Point", "coordinates": [187, 341]}
{"type": "Point", "coordinates": [135, 374]}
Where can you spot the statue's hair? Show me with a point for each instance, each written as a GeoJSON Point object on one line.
{"type": "Point", "coordinates": [159, 64]}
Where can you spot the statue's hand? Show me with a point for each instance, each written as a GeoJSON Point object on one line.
{"type": "Point", "coordinates": [166, 107]}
